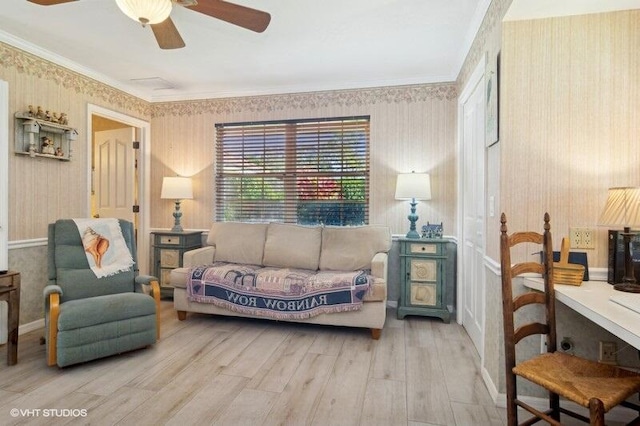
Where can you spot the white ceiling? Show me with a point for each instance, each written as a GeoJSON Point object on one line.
{"type": "Point", "coordinates": [309, 45]}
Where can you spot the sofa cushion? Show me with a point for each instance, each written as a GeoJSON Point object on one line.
{"type": "Point", "coordinates": [347, 248]}
{"type": "Point", "coordinates": [104, 309]}
{"type": "Point", "coordinates": [238, 242]}
{"type": "Point", "coordinates": [292, 246]}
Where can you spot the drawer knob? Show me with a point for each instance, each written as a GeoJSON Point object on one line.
{"type": "Point", "coordinates": [423, 248]}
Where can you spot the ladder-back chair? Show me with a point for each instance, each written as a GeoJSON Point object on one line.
{"type": "Point", "coordinates": [596, 386]}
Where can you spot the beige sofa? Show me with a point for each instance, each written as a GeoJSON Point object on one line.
{"type": "Point", "coordinates": [293, 246]}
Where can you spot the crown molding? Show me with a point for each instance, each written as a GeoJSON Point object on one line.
{"type": "Point", "coordinates": [306, 88]}
{"type": "Point", "coordinates": [49, 56]}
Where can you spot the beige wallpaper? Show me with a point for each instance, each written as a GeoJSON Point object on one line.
{"type": "Point", "coordinates": [571, 90]}
{"type": "Point", "coordinates": [569, 109]}
{"type": "Point", "coordinates": [412, 128]}
{"type": "Point", "coordinates": [42, 190]}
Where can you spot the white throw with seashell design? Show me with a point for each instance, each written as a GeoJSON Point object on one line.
{"type": "Point", "coordinates": [104, 245]}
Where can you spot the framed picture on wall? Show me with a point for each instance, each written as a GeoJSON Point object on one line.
{"type": "Point", "coordinates": [492, 80]}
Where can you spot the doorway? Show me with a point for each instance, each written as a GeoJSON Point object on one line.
{"type": "Point", "coordinates": [472, 180]}
{"type": "Point", "coordinates": [119, 174]}
{"type": "Point", "coordinates": [114, 174]}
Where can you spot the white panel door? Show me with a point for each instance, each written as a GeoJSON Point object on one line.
{"type": "Point", "coordinates": [115, 173]}
{"type": "Point", "coordinates": [473, 214]}
{"type": "Point", "coordinates": [4, 201]}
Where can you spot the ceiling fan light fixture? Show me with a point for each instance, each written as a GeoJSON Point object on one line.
{"type": "Point", "coordinates": [146, 11]}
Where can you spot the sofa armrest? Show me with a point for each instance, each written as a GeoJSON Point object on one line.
{"type": "Point", "coordinates": [199, 256]}
{"type": "Point", "coordinates": [379, 265]}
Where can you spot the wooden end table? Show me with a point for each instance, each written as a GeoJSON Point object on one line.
{"type": "Point", "coordinates": [10, 293]}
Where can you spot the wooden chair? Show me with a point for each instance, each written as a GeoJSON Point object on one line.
{"type": "Point", "coordinates": [598, 387]}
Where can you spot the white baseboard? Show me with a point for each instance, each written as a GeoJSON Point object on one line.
{"type": "Point", "coordinates": [34, 325]}
{"type": "Point", "coordinates": [22, 329]}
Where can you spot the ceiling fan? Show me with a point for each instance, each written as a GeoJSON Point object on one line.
{"type": "Point", "coordinates": [156, 14]}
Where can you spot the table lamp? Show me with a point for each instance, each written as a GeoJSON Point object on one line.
{"type": "Point", "coordinates": [623, 209]}
{"type": "Point", "coordinates": [178, 189]}
{"type": "Point", "coordinates": [413, 186]}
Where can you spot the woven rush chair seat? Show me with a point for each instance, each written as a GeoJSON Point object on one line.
{"type": "Point", "coordinates": [579, 379]}
{"type": "Point", "coordinates": [593, 385]}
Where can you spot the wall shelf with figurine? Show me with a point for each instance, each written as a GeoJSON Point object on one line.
{"type": "Point", "coordinates": [42, 135]}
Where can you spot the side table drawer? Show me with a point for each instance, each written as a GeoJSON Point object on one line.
{"type": "Point", "coordinates": [169, 240]}
{"type": "Point", "coordinates": [424, 248]}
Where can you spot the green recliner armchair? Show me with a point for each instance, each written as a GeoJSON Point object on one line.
{"type": "Point", "coordinates": [87, 317]}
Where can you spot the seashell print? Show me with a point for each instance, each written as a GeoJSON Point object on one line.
{"type": "Point", "coordinates": [95, 244]}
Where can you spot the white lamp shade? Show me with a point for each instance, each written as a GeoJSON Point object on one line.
{"type": "Point", "coordinates": [177, 188]}
{"type": "Point", "coordinates": [622, 207]}
{"type": "Point", "coordinates": [413, 185]}
{"type": "Point", "coordinates": [146, 11]}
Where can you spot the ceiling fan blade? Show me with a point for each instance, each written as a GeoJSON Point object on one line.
{"type": "Point", "coordinates": [49, 2]}
{"type": "Point", "coordinates": [167, 35]}
{"type": "Point", "coordinates": [245, 17]}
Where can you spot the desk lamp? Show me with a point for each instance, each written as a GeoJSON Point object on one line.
{"type": "Point", "coordinates": [623, 209]}
{"type": "Point", "coordinates": [178, 189]}
{"type": "Point", "coordinates": [413, 186]}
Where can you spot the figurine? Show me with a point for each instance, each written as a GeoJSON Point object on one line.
{"type": "Point", "coordinates": [39, 113]}
{"type": "Point", "coordinates": [47, 115]}
{"type": "Point", "coordinates": [63, 119]}
{"type": "Point", "coordinates": [30, 113]}
{"type": "Point", "coordinates": [47, 146]}
{"type": "Point", "coordinates": [59, 152]}
{"type": "Point", "coordinates": [55, 118]}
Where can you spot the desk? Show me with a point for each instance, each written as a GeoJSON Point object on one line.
{"type": "Point", "coordinates": [591, 299]}
{"type": "Point", "coordinates": [10, 293]}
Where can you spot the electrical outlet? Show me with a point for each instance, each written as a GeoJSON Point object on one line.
{"type": "Point", "coordinates": [608, 351]}
{"type": "Point", "coordinates": [588, 238]}
{"type": "Point", "coordinates": [582, 238]}
{"type": "Point", "coordinates": [575, 237]}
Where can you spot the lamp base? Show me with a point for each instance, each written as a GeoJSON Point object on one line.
{"type": "Point", "coordinates": [627, 287]}
{"type": "Point", "coordinates": [413, 218]}
{"type": "Point", "coordinates": [177, 214]}
{"type": "Point", "coordinates": [413, 234]}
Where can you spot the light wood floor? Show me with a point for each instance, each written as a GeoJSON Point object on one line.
{"type": "Point", "coordinates": [212, 370]}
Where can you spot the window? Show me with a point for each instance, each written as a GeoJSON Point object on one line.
{"type": "Point", "coordinates": [296, 171]}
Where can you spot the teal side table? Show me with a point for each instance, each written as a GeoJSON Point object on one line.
{"type": "Point", "coordinates": [168, 249]}
{"type": "Point", "coordinates": [423, 281]}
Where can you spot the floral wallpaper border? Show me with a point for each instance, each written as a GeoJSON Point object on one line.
{"type": "Point", "coordinates": [27, 63]}
{"type": "Point", "coordinates": [309, 100]}
{"type": "Point", "coordinates": [24, 62]}
{"type": "Point", "coordinates": [494, 16]}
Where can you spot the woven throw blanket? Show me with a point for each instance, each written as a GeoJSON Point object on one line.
{"type": "Point", "coordinates": [104, 245]}
{"type": "Point", "coordinates": [277, 293]}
